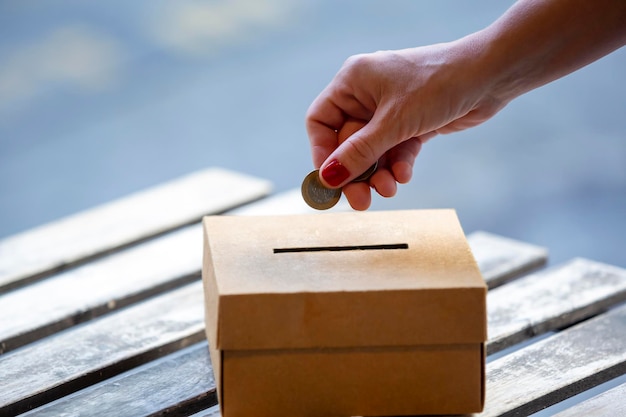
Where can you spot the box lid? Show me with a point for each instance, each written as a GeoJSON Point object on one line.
{"type": "Point", "coordinates": [393, 278]}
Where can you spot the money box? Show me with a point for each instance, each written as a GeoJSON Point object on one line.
{"type": "Point", "coordinates": [344, 314]}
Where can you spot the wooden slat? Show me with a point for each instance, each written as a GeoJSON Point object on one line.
{"type": "Point", "coordinates": [551, 299]}
{"type": "Point", "coordinates": [101, 286]}
{"type": "Point", "coordinates": [176, 257]}
{"type": "Point", "coordinates": [154, 389]}
{"type": "Point", "coordinates": [611, 403]}
{"type": "Point", "coordinates": [71, 360]}
{"type": "Point", "coordinates": [501, 259]}
{"type": "Point", "coordinates": [558, 367]}
{"type": "Point", "coordinates": [600, 270]}
{"type": "Point", "coordinates": [50, 248]}
{"type": "Point", "coordinates": [116, 280]}
{"type": "Point", "coordinates": [196, 372]}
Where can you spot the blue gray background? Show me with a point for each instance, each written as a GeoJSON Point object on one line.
{"type": "Point", "coordinates": [98, 100]}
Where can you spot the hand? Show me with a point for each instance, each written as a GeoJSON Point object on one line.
{"type": "Point", "coordinates": [384, 106]}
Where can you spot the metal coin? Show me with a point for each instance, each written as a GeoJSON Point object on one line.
{"type": "Point", "coordinates": [367, 174]}
{"type": "Point", "coordinates": [316, 194]}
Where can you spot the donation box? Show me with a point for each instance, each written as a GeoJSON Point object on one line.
{"type": "Point", "coordinates": [344, 314]}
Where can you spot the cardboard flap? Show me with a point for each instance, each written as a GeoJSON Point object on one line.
{"type": "Point", "coordinates": [342, 279]}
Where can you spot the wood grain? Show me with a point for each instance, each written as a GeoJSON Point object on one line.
{"type": "Point", "coordinates": [558, 367]}
{"type": "Point", "coordinates": [179, 383]}
{"type": "Point", "coordinates": [94, 289]}
{"type": "Point", "coordinates": [116, 280]}
{"type": "Point", "coordinates": [79, 357]}
{"type": "Point", "coordinates": [551, 299]}
{"type": "Point", "coordinates": [501, 259]}
{"type": "Point", "coordinates": [53, 247]}
{"type": "Point", "coordinates": [146, 269]}
{"type": "Point", "coordinates": [99, 287]}
{"type": "Point", "coordinates": [82, 356]}
{"type": "Point", "coordinates": [147, 379]}
{"type": "Point", "coordinates": [609, 403]}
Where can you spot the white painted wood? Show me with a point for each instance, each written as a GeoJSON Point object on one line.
{"type": "Point", "coordinates": [501, 259]}
{"type": "Point", "coordinates": [116, 280]}
{"type": "Point", "coordinates": [97, 363]}
{"type": "Point", "coordinates": [177, 384]}
{"type": "Point", "coordinates": [79, 357]}
{"type": "Point", "coordinates": [54, 246]}
{"type": "Point", "coordinates": [611, 403]}
{"type": "Point", "coordinates": [83, 355]}
{"type": "Point", "coordinates": [538, 365]}
{"type": "Point", "coordinates": [106, 284]}
{"type": "Point", "coordinates": [121, 269]}
{"type": "Point", "coordinates": [551, 299]}
{"type": "Point", "coordinates": [558, 367]}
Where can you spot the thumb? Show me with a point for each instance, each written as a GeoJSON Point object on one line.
{"type": "Point", "coordinates": [361, 144]}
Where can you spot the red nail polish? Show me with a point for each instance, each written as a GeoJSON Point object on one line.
{"type": "Point", "coordinates": [334, 173]}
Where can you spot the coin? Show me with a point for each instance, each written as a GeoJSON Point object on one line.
{"type": "Point", "coordinates": [316, 194]}
{"type": "Point", "coordinates": [320, 197]}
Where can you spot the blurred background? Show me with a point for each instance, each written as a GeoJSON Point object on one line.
{"type": "Point", "coordinates": [101, 99]}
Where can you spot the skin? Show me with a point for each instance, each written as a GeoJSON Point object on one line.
{"type": "Point", "coordinates": [385, 105]}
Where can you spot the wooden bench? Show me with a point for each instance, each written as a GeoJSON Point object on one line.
{"type": "Point", "coordinates": [102, 312]}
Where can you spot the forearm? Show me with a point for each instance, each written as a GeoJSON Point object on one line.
{"type": "Point", "coordinates": [538, 41]}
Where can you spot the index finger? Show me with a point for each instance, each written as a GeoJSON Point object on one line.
{"type": "Point", "coordinates": [323, 120]}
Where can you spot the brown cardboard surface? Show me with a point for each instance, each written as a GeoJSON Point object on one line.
{"type": "Point", "coordinates": [345, 298]}
{"type": "Point", "coordinates": [289, 328]}
{"type": "Point", "coordinates": [353, 382]}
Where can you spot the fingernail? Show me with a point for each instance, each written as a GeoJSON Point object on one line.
{"type": "Point", "coordinates": [334, 173]}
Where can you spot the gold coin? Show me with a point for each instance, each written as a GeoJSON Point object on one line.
{"type": "Point", "coordinates": [316, 194]}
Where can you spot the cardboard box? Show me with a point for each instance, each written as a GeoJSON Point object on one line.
{"type": "Point", "coordinates": [344, 314]}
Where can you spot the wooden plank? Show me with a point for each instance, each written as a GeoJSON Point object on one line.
{"type": "Point", "coordinates": [81, 356]}
{"type": "Point", "coordinates": [609, 403]}
{"type": "Point", "coordinates": [104, 285]}
{"type": "Point", "coordinates": [501, 259]}
{"type": "Point", "coordinates": [36, 383]}
{"type": "Point", "coordinates": [53, 247]}
{"type": "Point", "coordinates": [154, 389]}
{"type": "Point", "coordinates": [558, 367]}
{"type": "Point", "coordinates": [532, 360]}
{"type": "Point", "coordinates": [551, 299]}
{"type": "Point", "coordinates": [195, 372]}
{"type": "Point", "coordinates": [117, 280]}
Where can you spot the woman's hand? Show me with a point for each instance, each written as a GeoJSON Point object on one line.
{"type": "Point", "coordinates": [384, 106]}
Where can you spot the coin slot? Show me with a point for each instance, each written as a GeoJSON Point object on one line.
{"type": "Point", "coordinates": [343, 248]}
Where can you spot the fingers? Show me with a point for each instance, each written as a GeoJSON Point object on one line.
{"type": "Point", "coordinates": [401, 157]}
{"type": "Point", "coordinates": [384, 183]}
{"type": "Point", "coordinates": [356, 154]}
{"type": "Point", "coordinates": [358, 194]}
{"type": "Point", "coordinates": [323, 120]}
{"type": "Point", "coordinates": [328, 113]}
